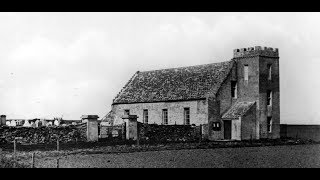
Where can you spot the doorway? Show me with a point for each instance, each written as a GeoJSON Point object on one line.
{"type": "Point", "coordinates": [227, 129]}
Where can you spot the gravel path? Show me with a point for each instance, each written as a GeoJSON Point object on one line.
{"type": "Point", "coordinates": [294, 156]}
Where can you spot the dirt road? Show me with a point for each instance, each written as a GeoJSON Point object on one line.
{"type": "Point", "coordinates": [297, 156]}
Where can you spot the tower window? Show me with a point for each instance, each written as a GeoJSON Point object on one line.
{"type": "Point", "coordinates": [234, 89]}
{"type": "Point", "coordinates": [145, 116]}
{"type": "Point", "coordinates": [269, 124]}
{"type": "Point", "coordinates": [165, 116]}
{"type": "Point", "coordinates": [126, 112]}
{"type": "Point", "coordinates": [269, 97]}
{"type": "Point", "coordinates": [269, 71]}
{"type": "Point", "coordinates": [246, 72]}
{"type": "Point", "coordinates": [186, 116]}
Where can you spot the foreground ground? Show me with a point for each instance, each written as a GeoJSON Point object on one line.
{"type": "Point", "coordinates": [291, 156]}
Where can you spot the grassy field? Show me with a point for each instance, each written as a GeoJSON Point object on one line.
{"type": "Point", "coordinates": [257, 153]}
{"type": "Point", "coordinates": [297, 156]}
{"type": "Point", "coordinates": [6, 162]}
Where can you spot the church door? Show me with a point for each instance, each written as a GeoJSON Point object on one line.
{"type": "Point", "coordinates": [227, 129]}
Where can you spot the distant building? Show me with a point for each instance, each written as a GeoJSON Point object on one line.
{"type": "Point", "coordinates": [238, 99]}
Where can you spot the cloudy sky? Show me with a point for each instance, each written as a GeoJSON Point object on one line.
{"type": "Point", "coordinates": [70, 64]}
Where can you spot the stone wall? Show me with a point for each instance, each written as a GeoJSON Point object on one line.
{"type": "Point", "coordinates": [236, 127]}
{"type": "Point", "coordinates": [306, 132]}
{"type": "Point", "coordinates": [274, 86]}
{"type": "Point", "coordinates": [224, 101]}
{"type": "Point", "coordinates": [214, 116]}
{"type": "Point", "coordinates": [198, 112]}
{"type": "Point", "coordinates": [44, 135]}
{"type": "Point", "coordinates": [224, 93]}
{"type": "Point", "coordinates": [255, 89]}
{"type": "Point", "coordinates": [168, 133]}
{"type": "Point", "coordinates": [249, 90]}
{"type": "Point", "coordinates": [248, 124]}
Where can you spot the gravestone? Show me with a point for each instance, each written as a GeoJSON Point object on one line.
{"type": "Point", "coordinates": [33, 124]}
{"type": "Point", "coordinates": [37, 123]}
{"type": "Point", "coordinates": [56, 123]}
{"type": "Point", "coordinates": [13, 123]}
{"type": "Point", "coordinates": [26, 124]}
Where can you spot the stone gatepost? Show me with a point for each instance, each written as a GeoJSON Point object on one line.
{"type": "Point", "coordinates": [131, 126]}
{"type": "Point", "coordinates": [3, 120]}
{"type": "Point", "coordinates": [92, 127]}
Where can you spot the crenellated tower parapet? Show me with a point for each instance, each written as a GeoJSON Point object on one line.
{"type": "Point", "coordinates": [256, 51]}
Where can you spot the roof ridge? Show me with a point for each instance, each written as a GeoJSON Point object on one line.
{"type": "Point", "coordinates": [222, 62]}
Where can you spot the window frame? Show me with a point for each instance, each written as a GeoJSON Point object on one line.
{"type": "Point", "coordinates": [269, 124]}
{"type": "Point", "coordinates": [216, 126]}
{"type": "Point", "coordinates": [234, 90]}
{"type": "Point", "coordinates": [185, 118]}
{"type": "Point", "coordinates": [165, 118]}
{"type": "Point", "coordinates": [145, 116]}
{"type": "Point", "coordinates": [246, 72]}
{"type": "Point", "coordinates": [269, 68]}
{"type": "Point", "coordinates": [269, 97]}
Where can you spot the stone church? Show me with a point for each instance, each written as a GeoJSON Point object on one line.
{"type": "Point", "coordinates": [237, 99]}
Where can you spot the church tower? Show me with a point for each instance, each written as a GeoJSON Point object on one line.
{"type": "Point", "coordinates": [257, 71]}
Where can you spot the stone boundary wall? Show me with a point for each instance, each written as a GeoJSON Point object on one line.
{"type": "Point", "coordinates": [44, 135]}
{"type": "Point", "coordinates": [306, 132]}
{"type": "Point", "coordinates": [168, 133]}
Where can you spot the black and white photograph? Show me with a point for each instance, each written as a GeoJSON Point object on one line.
{"type": "Point", "coordinates": [159, 90]}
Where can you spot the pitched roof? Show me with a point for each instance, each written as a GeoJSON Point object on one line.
{"type": "Point", "coordinates": [237, 110]}
{"type": "Point", "coordinates": [185, 83]}
{"type": "Point", "coordinates": [108, 117]}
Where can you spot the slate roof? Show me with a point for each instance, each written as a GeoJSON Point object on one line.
{"type": "Point", "coordinates": [185, 83]}
{"type": "Point", "coordinates": [237, 110]}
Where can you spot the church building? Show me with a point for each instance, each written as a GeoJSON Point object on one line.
{"type": "Point", "coordinates": [237, 99]}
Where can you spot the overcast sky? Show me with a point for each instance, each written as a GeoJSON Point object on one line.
{"type": "Point", "coordinates": [70, 64]}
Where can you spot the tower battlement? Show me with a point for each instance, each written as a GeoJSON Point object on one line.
{"type": "Point", "coordinates": [256, 51]}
